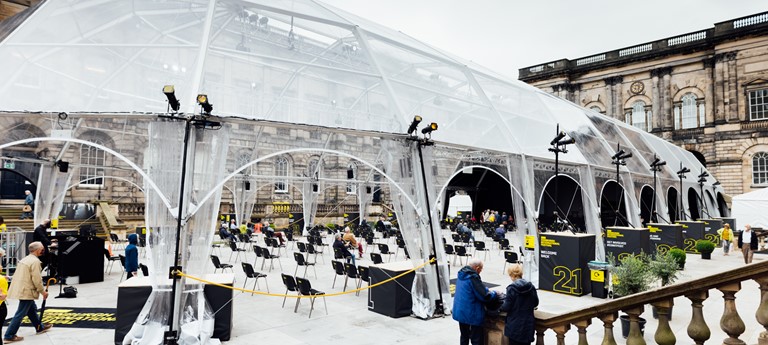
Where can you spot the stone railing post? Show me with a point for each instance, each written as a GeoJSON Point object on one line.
{"type": "Point", "coordinates": [608, 320]}
{"type": "Point", "coordinates": [635, 337]}
{"type": "Point", "coordinates": [560, 333]}
{"type": "Point", "coordinates": [664, 334]}
{"type": "Point", "coordinates": [581, 326]}
{"type": "Point", "coordinates": [698, 329]}
{"type": "Point", "coordinates": [731, 323]}
{"type": "Point", "coordinates": [540, 335]}
{"type": "Point", "coordinates": [494, 331]}
{"type": "Point", "coordinates": [762, 311]}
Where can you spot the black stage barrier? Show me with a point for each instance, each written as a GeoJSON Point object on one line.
{"type": "Point", "coordinates": [621, 241]}
{"type": "Point", "coordinates": [132, 294]}
{"type": "Point", "coordinates": [393, 298]}
{"type": "Point", "coordinates": [710, 230]}
{"type": "Point", "coordinates": [664, 237]}
{"type": "Point", "coordinates": [563, 259]}
{"type": "Point", "coordinates": [692, 232]}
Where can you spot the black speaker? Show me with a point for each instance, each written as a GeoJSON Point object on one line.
{"type": "Point", "coordinates": [63, 166]}
{"type": "Point", "coordinates": [368, 190]}
{"type": "Point", "coordinates": [247, 185]}
{"type": "Point", "coordinates": [87, 230]}
{"type": "Point", "coordinates": [350, 174]}
{"type": "Point", "coordinates": [315, 187]}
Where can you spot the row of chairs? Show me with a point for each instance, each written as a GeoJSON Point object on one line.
{"type": "Point", "coordinates": [360, 274]}
{"type": "Point", "coordinates": [302, 287]}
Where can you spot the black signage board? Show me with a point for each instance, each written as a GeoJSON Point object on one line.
{"type": "Point", "coordinates": [622, 241]}
{"type": "Point", "coordinates": [692, 232]}
{"type": "Point", "coordinates": [710, 230]}
{"type": "Point", "coordinates": [664, 237]}
{"type": "Point", "coordinates": [563, 259]}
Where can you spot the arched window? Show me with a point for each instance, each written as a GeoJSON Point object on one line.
{"type": "Point", "coordinates": [760, 168]}
{"type": "Point", "coordinates": [638, 116]}
{"type": "Point", "coordinates": [689, 112]}
{"type": "Point", "coordinates": [595, 109]}
{"type": "Point", "coordinates": [92, 163]}
{"type": "Point", "coordinates": [241, 160]}
{"type": "Point", "coordinates": [281, 170]}
{"type": "Point", "coordinates": [352, 176]}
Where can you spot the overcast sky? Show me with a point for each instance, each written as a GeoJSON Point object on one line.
{"type": "Point", "coordinates": [505, 35]}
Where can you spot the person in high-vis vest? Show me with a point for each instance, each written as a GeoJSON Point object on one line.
{"type": "Point", "coordinates": [726, 236]}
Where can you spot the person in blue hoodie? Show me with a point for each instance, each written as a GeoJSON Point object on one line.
{"type": "Point", "coordinates": [469, 302]}
{"type": "Point", "coordinates": [132, 256]}
{"type": "Point", "coordinates": [519, 304]}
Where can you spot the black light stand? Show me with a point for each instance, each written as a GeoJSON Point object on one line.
{"type": "Point", "coordinates": [559, 144]}
{"type": "Point", "coordinates": [681, 174]}
{"type": "Point", "coordinates": [655, 167]}
{"type": "Point", "coordinates": [703, 178]}
{"type": "Point", "coordinates": [618, 159]}
{"type": "Point", "coordinates": [426, 141]}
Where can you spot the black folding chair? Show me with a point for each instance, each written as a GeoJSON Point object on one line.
{"type": "Point", "coordinates": [480, 246]}
{"type": "Point", "coordinates": [122, 263]}
{"type": "Point", "coordinates": [218, 265]}
{"type": "Point", "coordinates": [305, 289]}
{"type": "Point", "coordinates": [289, 237]}
{"type": "Point", "coordinates": [265, 254]}
{"type": "Point", "coordinates": [250, 273]}
{"type": "Point", "coordinates": [300, 261]}
{"type": "Point", "coordinates": [311, 250]}
{"type": "Point", "coordinates": [461, 252]}
{"type": "Point", "coordinates": [384, 250]}
{"type": "Point", "coordinates": [235, 249]}
{"type": "Point", "coordinates": [290, 285]}
{"type": "Point", "coordinates": [338, 267]}
{"type": "Point", "coordinates": [510, 257]}
{"type": "Point", "coordinates": [449, 252]}
{"type": "Point", "coordinates": [144, 270]}
{"type": "Point", "coordinates": [376, 258]}
{"type": "Point", "coordinates": [365, 276]}
{"type": "Point", "coordinates": [110, 260]}
{"type": "Point", "coordinates": [351, 273]}
{"type": "Point", "coordinates": [400, 245]}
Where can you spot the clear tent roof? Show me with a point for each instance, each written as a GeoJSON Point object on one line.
{"type": "Point", "coordinates": [296, 61]}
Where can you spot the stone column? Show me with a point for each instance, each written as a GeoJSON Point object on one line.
{"type": "Point", "coordinates": [731, 323]}
{"type": "Point", "coordinates": [613, 101]}
{"type": "Point", "coordinates": [658, 116]}
{"type": "Point", "coordinates": [540, 335]}
{"type": "Point", "coordinates": [666, 89]}
{"type": "Point", "coordinates": [709, 68]}
{"type": "Point", "coordinates": [698, 329]}
{"type": "Point", "coordinates": [581, 326]}
{"type": "Point", "coordinates": [762, 310]}
{"type": "Point", "coordinates": [560, 333]}
{"type": "Point", "coordinates": [635, 337]}
{"type": "Point", "coordinates": [664, 334]}
{"type": "Point", "coordinates": [732, 82]}
{"type": "Point", "coordinates": [608, 320]}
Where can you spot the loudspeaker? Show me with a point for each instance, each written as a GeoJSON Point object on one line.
{"type": "Point", "coordinates": [368, 190]}
{"type": "Point", "coordinates": [350, 174]}
{"type": "Point", "coordinates": [63, 166]}
{"type": "Point", "coordinates": [315, 187]}
{"type": "Point", "coordinates": [247, 185]}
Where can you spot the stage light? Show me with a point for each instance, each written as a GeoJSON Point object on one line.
{"type": "Point", "coordinates": [702, 179]}
{"type": "Point", "coordinates": [170, 93]}
{"type": "Point", "coordinates": [617, 154]}
{"type": "Point", "coordinates": [559, 137]}
{"type": "Point", "coordinates": [703, 174]}
{"type": "Point", "coordinates": [203, 101]}
{"type": "Point", "coordinates": [684, 170]}
{"type": "Point", "coordinates": [717, 183]}
{"type": "Point", "coordinates": [414, 123]}
{"type": "Point", "coordinates": [566, 142]}
{"type": "Point", "coordinates": [247, 185]}
{"type": "Point", "coordinates": [429, 129]}
{"type": "Point", "coordinates": [315, 188]}
{"type": "Point", "coordinates": [658, 162]}
{"type": "Point", "coordinates": [625, 155]}
{"type": "Point", "coordinates": [63, 166]}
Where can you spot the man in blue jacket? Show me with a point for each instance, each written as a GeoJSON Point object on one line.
{"type": "Point", "coordinates": [469, 302]}
{"type": "Point", "coordinates": [132, 256]}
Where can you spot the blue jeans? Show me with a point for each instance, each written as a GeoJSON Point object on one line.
{"type": "Point", "coordinates": [26, 308]}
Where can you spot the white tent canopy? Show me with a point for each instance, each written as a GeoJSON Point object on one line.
{"type": "Point", "coordinates": [750, 208]}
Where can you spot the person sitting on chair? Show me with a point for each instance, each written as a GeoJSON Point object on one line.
{"type": "Point", "coordinates": [339, 244]}
{"type": "Point", "coordinates": [349, 237]}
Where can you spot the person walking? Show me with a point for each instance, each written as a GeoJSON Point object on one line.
{"type": "Point", "coordinates": [519, 303]}
{"type": "Point", "coordinates": [29, 205]}
{"type": "Point", "coordinates": [3, 295]}
{"type": "Point", "coordinates": [131, 257]}
{"type": "Point", "coordinates": [27, 287]}
{"type": "Point", "coordinates": [726, 235]}
{"type": "Point", "coordinates": [469, 302]}
{"type": "Point", "coordinates": [747, 243]}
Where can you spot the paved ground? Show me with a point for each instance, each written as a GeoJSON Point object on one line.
{"type": "Point", "coordinates": [261, 320]}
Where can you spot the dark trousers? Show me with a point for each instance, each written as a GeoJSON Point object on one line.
{"type": "Point", "coordinates": [3, 315]}
{"type": "Point", "coordinates": [470, 333]}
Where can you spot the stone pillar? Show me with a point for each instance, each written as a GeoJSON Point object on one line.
{"type": "Point", "coordinates": [664, 334]}
{"type": "Point", "coordinates": [560, 333]}
{"type": "Point", "coordinates": [666, 97]}
{"type": "Point", "coordinates": [635, 337]}
{"type": "Point", "coordinates": [698, 329]}
{"type": "Point", "coordinates": [762, 310]}
{"type": "Point", "coordinates": [540, 335]}
{"type": "Point", "coordinates": [581, 326]}
{"type": "Point", "coordinates": [613, 101]}
{"type": "Point", "coordinates": [608, 320]}
{"type": "Point", "coordinates": [658, 116]}
{"type": "Point", "coordinates": [731, 322]}
{"type": "Point", "coordinates": [733, 103]}
{"type": "Point", "coordinates": [709, 69]}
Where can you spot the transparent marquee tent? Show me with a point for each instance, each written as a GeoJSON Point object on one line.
{"type": "Point", "coordinates": [302, 91]}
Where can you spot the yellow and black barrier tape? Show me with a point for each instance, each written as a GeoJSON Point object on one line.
{"type": "Point", "coordinates": [182, 274]}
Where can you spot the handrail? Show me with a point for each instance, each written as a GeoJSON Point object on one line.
{"type": "Point", "coordinates": [747, 272]}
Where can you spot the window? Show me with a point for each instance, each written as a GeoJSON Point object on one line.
{"type": "Point", "coordinates": [281, 170]}
{"type": "Point", "coordinates": [351, 176]}
{"type": "Point", "coordinates": [689, 112]}
{"type": "Point", "coordinates": [760, 168]}
{"type": "Point", "coordinates": [92, 163]}
{"type": "Point", "coordinates": [595, 109]}
{"type": "Point", "coordinates": [758, 104]}
{"type": "Point", "coordinates": [639, 116]}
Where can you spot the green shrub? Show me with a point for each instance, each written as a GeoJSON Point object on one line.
{"type": "Point", "coordinates": [665, 267]}
{"type": "Point", "coordinates": [679, 256]}
{"type": "Point", "coordinates": [633, 275]}
{"type": "Point", "coordinates": [705, 246]}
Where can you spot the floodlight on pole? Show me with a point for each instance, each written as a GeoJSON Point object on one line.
{"type": "Point", "coordinates": [560, 135]}
{"type": "Point", "coordinates": [559, 143]}
{"type": "Point", "coordinates": [170, 93]}
{"type": "Point", "coordinates": [429, 129]}
{"type": "Point", "coordinates": [655, 167]}
{"type": "Point", "coordinates": [414, 124]}
{"type": "Point", "coordinates": [202, 100]}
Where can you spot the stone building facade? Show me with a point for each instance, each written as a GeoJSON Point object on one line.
{"type": "Point", "coordinates": [706, 91]}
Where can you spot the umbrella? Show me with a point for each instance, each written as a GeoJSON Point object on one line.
{"type": "Point", "coordinates": [42, 307]}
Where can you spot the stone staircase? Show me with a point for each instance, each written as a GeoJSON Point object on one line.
{"type": "Point", "coordinates": [11, 215]}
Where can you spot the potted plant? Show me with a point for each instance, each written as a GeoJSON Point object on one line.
{"type": "Point", "coordinates": [632, 276]}
{"type": "Point", "coordinates": [679, 256]}
{"type": "Point", "coordinates": [664, 266]}
{"type": "Point", "coordinates": [705, 247]}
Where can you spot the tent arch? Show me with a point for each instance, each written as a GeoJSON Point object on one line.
{"type": "Point", "coordinates": [621, 206]}
{"type": "Point", "coordinates": [673, 206]}
{"type": "Point", "coordinates": [575, 200]}
{"type": "Point", "coordinates": [694, 204]}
